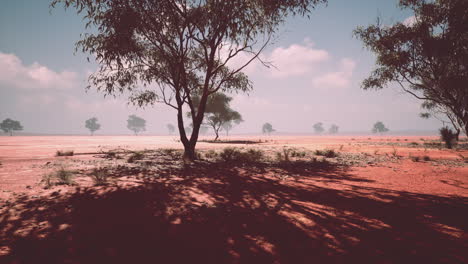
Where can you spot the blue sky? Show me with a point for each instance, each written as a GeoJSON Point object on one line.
{"type": "Point", "coordinates": [319, 69]}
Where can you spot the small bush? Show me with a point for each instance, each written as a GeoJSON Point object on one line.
{"type": "Point", "coordinates": [426, 158]}
{"type": "Point", "coordinates": [230, 154]}
{"type": "Point", "coordinates": [135, 156]}
{"type": "Point", "coordinates": [283, 156]}
{"type": "Point", "coordinates": [236, 155]}
{"type": "Point", "coordinates": [254, 155]}
{"type": "Point", "coordinates": [211, 154]}
{"type": "Point", "coordinates": [298, 154]}
{"type": "Point", "coordinates": [329, 153]}
{"type": "Point", "coordinates": [448, 136]}
{"type": "Point", "coordinates": [414, 144]}
{"type": "Point", "coordinates": [99, 176]}
{"type": "Point", "coordinates": [415, 158]}
{"type": "Point", "coordinates": [60, 153]}
{"type": "Point", "coordinates": [60, 177]}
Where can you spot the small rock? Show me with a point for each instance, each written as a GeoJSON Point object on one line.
{"type": "Point", "coordinates": [28, 187]}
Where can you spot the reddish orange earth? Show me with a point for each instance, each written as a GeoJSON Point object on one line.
{"type": "Point", "coordinates": [381, 200]}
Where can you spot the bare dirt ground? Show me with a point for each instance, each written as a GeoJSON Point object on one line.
{"type": "Point", "coordinates": [370, 200]}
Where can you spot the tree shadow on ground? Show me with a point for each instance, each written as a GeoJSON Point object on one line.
{"type": "Point", "coordinates": [231, 213]}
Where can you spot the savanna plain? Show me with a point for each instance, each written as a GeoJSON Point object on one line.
{"type": "Point", "coordinates": [245, 199]}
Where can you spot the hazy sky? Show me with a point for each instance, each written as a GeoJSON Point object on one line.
{"type": "Point", "coordinates": [320, 66]}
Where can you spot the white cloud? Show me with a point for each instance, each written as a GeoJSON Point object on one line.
{"type": "Point", "coordinates": [337, 79]}
{"type": "Point", "coordinates": [35, 76]}
{"type": "Point", "coordinates": [410, 21]}
{"type": "Point", "coordinates": [296, 60]}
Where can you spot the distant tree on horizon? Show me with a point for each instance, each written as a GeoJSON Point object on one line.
{"type": "Point", "coordinates": [267, 128]}
{"type": "Point", "coordinates": [318, 128]}
{"type": "Point", "coordinates": [93, 125]}
{"type": "Point", "coordinates": [333, 129]}
{"type": "Point", "coordinates": [379, 127]}
{"type": "Point", "coordinates": [218, 112]}
{"type": "Point", "coordinates": [136, 124]}
{"type": "Point", "coordinates": [9, 125]}
{"type": "Point", "coordinates": [171, 128]}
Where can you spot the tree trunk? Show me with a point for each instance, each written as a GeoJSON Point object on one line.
{"type": "Point", "coordinates": [217, 135]}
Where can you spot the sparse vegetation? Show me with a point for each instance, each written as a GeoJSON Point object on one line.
{"type": "Point", "coordinates": [230, 154]}
{"type": "Point", "coordinates": [329, 153]}
{"type": "Point", "coordinates": [415, 158]}
{"type": "Point", "coordinates": [100, 176]}
{"type": "Point", "coordinates": [60, 177]}
{"type": "Point", "coordinates": [426, 158]}
{"type": "Point", "coordinates": [60, 153]}
{"type": "Point", "coordinates": [135, 156]}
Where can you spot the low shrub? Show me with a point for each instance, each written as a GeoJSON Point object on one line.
{"type": "Point", "coordinates": [230, 154]}
{"type": "Point", "coordinates": [329, 153]}
{"type": "Point", "coordinates": [60, 177]}
{"type": "Point", "coordinates": [426, 158]}
{"type": "Point", "coordinates": [211, 154]}
{"type": "Point", "coordinates": [60, 153]}
{"type": "Point", "coordinates": [414, 143]}
{"type": "Point", "coordinates": [415, 158]}
{"type": "Point", "coordinates": [100, 176]}
{"type": "Point", "coordinates": [135, 156]}
{"type": "Point", "coordinates": [298, 154]}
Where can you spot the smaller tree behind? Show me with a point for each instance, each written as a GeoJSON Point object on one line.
{"type": "Point", "coordinates": [379, 127]}
{"type": "Point", "coordinates": [318, 128]}
{"type": "Point", "coordinates": [136, 124]}
{"type": "Point", "coordinates": [171, 128]}
{"type": "Point", "coordinates": [267, 128]}
{"type": "Point", "coordinates": [93, 125]}
{"type": "Point", "coordinates": [333, 129]}
{"type": "Point", "coordinates": [9, 125]}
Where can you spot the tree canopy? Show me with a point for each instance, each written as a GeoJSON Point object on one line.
{"type": "Point", "coordinates": [379, 127]}
{"type": "Point", "coordinates": [318, 128]}
{"type": "Point", "coordinates": [136, 124]}
{"type": "Point", "coordinates": [427, 59]}
{"type": "Point", "coordinates": [9, 125]}
{"type": "Point", "coordinates": [166, 51]}
{"type": "Point", "coordinates": [333, 129]}
{"type": "Point", "coordinates": [92, 124]}
{"type": "Point", "coordinates": [267, 128]}
{"type": "Point", "coordinates": [218, 113]}
{"type": "Point", "coordinates": [170, 128]}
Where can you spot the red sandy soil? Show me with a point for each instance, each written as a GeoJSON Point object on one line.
{"type": "Point", "coordinates": [386, 209]}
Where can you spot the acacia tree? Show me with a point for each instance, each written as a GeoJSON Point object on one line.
{"type": "Point", "coordinates": [333, 129]}
{"type": "Point", "coordinates": [318, 128]}
{"type": "Point", "coordinates": [166, 51]}
{"type": "Point", "coordinates": [171, 128]}
{"type": "Point", "coordinates": [136, 124]}
{"type": "Point", "coordinates": [92, 124]}
{"type": "Point", "coordinates": [9, 125]}
{"type": "Point", "coordinates": [218, 112]}
{"type": "Point", "coordinates": [379, 127]}
{"type": "Point", "coordinates": [427, 59]}
{"type": "Point", "coordinates": [267, 128]}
